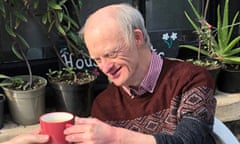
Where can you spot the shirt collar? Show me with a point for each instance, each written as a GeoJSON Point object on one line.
{"type": "Point", "coordinates": [149, 82]}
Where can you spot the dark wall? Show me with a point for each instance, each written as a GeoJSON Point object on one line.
{"type": "Point", "coordinates": [89, 6]}
{"type": "Point", "coordinates": [167, 25]}
{"type": "Point", "coordinates": [234, 6]}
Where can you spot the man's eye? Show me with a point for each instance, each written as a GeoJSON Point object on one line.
{"type": "Point", "coordinates": [111, 54]}
{"type": "Point", "coordinates": [97, 60]}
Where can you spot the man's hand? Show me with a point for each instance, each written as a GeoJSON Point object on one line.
{"type": "Point", "coordinates": [92, 130]}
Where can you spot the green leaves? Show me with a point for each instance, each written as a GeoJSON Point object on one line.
{"type": "Point", "coordinates": [20, 16]}
{"type": "Point", "coordinates": [16, 82]}
{"type": "Point", "coordinates": [60, 29]}
{"type": "Point", "coordinates": [2, 84]}
{"type": "Point", "coordinates": [194, 48]}
{"type": "Point", "coordinates": [61, 16]}
{"type": "Point", "coordinates": [9, 30]}
{"type": "Point", "coordinates": [226, 43]}
{"type": "Point", "coordinates": [58, 16]}
{"type": "Point", "coordinates": [2, 8]}
{"type": "Point", "coordinates": [54, 73]}
{"type": "Point", "coordinates": [71, 21]}
{"type": "Point", "coordinates": [45, 18]}
{"type": "Point", "coordinates": [53, 4]}
{"type": "Point", "coordinates": [194, 25]}
{"type": "Point", "coordinates": [219, 41]}
{"type": "Point", "coordinates": [35, 4]}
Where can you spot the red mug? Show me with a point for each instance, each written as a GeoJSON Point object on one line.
{"type": "Point", "coordinates": [54, 123]}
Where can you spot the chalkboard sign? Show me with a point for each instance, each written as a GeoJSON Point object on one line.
{"type": "Point", "coordinates": [81, 63]}
{"type": "Point", "coordinates": [78, 62]}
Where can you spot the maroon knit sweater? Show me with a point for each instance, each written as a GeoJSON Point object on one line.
{"type": "Point", "coordinates": [183, 89]}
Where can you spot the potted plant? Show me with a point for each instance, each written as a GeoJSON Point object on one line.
{"type": "Point", "coordinates": [25, 103]}
{"type": "Point", "coordinates": [59, 18]}
{"type": "Point", "coordinates": [216, 43]}
{"type": "Point", "coordinates": [25, 93]}
{"type": "Point", "coordinates": [204, 47]}
{"type": "Point", "coordinates": [74, 90]}
{"type": "Point", "coordinates": [73, 85]}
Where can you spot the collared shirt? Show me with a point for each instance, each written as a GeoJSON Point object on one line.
{"type": "Point", "coordinates": [149, 82]}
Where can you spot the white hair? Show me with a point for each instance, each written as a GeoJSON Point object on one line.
{"type": "Point", "coordinates": [129, 18]}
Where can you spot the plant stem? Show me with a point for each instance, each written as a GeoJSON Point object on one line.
{"type": "Point", "coordinates": [29, 69]}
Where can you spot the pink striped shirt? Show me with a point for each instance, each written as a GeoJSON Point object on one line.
{"type": "Point", "coordinates": [149, 82]}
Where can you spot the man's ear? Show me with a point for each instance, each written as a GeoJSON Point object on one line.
{"type": "Point", "coordinates": [139, 39]}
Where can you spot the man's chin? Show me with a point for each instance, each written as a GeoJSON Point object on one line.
{"type": "Point", "coordinates": [116, 82]}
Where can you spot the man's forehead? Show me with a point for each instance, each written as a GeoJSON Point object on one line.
{"type": "Point", "coordinates": [102, 16]}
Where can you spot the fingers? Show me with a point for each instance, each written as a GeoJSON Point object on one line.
{"type": "Point", "coordinates": [81, 131]}
{"type": "Point", "coordinates": [86, 130]}
{"type": "Point", "coordinates": [81, 125]}
{"type": "Point", "coordinates": [76, 133]}
{"type": "Point", "coordinates": [30, 138]}
{"type": "Point", "coordinates": [75, 138]}
{"type": "Point", "coordinates": [84, 120]}
{"type": "Point", "coordinates": [39, 139]}
{"type": "Point", "coordinates": [74, 129]}
{"type": "Point", "coordinates": [35, 131]}
{"type": "Point", "coordinates": [80, 137]}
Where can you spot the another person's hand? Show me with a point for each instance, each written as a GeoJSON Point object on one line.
{"type": "Point", "coordinates": [28, 138]}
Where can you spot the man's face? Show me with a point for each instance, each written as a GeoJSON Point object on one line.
{"type": "Point", "coordinates": [116, 58]}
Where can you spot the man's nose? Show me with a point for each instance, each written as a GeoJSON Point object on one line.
{"type": "Point", "coordinates": [105, 65]}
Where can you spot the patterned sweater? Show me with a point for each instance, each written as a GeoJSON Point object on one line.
{"type": "Point", "coordinates": [180, 110]}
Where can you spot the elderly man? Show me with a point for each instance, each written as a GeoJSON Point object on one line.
{"type": "Point", "coordinates": [151, 99]}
